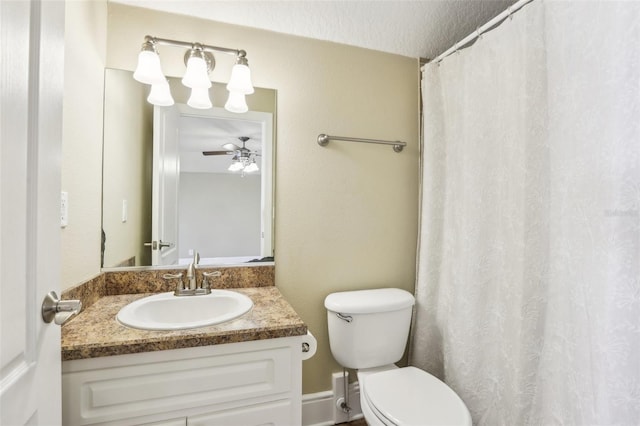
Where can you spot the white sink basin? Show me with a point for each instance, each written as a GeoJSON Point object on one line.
{"type": "Point", "coordinates": [165, 311]}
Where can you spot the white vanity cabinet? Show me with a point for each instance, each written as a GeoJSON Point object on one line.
{"type": "Point", "coordinates": [248, 383]}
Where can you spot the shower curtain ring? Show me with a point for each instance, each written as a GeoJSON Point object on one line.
{"type": "Point", "coordinates": [509, 13]}
{"type": "Point", "coordinates": [478, 33]}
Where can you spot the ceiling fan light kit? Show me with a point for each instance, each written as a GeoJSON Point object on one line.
{"type": "Point", "coordinates": [244, 160]}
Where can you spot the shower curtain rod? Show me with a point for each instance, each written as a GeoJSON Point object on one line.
{"type": "Point", "coordinates": [481, 30]}
{"type": "Point", "coordinates": [323, 140]}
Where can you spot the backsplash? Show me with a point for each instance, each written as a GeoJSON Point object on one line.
{"type": "Point", "coordinates": [87, 292]}
{"type": "Point", "coordinates": [112, 283]}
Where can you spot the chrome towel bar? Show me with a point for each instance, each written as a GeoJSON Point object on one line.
{"type": "Point", "coordinates": [323, 140]}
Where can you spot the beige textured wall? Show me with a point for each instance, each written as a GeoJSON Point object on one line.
{"type": "Point", "coordinates": [85, 52]}
{"type": "Point", "coordinates": [346, 214]}
{"type": "Point", "coordinates": [127, 164]}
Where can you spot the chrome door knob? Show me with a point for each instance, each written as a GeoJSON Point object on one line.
{"type": "Point", "coordinates": [59, 311]}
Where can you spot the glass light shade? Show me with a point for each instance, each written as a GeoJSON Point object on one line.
{"type": "Point", "coordinates": [160, 95]}
{"type": "Point", "coordinates": [236, 166]}
{"type": "Point", "coordinates": [149, 70]}
{"type": "Point", "coordinates": [196, 75]}
{"type": "Point", "coordinates": [199, 98]}
{"type": "Point", "coordinates": [240, 80]}
{"type": "Point", "coordinates": [236, 103]}
{"type": "Point", "coordinates": [253, 167]}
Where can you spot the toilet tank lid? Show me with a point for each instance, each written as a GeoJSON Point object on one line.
{"type": "Point", "coordinates": [369, 301]}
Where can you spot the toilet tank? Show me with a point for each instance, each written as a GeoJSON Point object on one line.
{"type": "Point", "coordinates": [368, 328]}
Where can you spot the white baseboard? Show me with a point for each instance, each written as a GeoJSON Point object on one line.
{"type": "Point", "coordinates": [318, 408]}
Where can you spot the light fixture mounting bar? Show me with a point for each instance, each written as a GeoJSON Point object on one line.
{"type": "Point", "coordinates": [187, 45]}
{"type": "Point", "coordinates": [323, 140]}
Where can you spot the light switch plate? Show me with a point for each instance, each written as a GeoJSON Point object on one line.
{"type": "Point", "coordinates": [64, 209]}
{"type": "Point", "coordinates": [125, 211]}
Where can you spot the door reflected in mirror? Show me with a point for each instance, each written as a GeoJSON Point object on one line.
{"type": "Point", "coordinates": [178, 180]}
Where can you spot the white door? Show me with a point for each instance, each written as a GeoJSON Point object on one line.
{"type": "Point", "coordinates": [166, 175]}
{"type": "Point", "coordinates": [31, 90]}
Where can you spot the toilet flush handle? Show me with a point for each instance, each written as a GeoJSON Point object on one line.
{"type": "Point", "coordinates": [346, 318]}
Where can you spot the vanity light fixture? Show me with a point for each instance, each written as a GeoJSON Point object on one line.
{"type": "Point", "coordinates": [200, 62]}
{"type": "Point", "coordinates": [160, 94]}
{"type": "Point", "coordinates": [199, 98]}
{"type": "Point", "coordinates": [236, 103]}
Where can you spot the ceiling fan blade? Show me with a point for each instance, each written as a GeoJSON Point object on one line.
{"type": "Point", "coordinates": [231, 146]}
{"type": "Point", "coordinates": [217, 152]}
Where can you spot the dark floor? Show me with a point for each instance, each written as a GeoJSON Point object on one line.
{"type": "Point", "coordinates": [359, 422]}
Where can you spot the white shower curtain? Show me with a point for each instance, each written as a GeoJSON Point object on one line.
{"type": "Point", "coordinates": [528, 293]}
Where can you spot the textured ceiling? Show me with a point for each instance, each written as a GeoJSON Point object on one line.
{"type": "Point", "coordinates": [416, 28]}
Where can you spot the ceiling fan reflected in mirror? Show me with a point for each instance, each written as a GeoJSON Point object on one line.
{"type": "Point", "coordinates": [244, 160]}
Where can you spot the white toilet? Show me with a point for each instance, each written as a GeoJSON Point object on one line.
{"type": "Point", "coordinates": [368, 331]}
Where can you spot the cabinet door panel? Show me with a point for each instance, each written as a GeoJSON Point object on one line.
{"type": "Point", "coordinates": [182, 421]}
{"type": "Point", "coordinates": [268, 414]}
{"type": "Point", "coordinates": [110, 394]}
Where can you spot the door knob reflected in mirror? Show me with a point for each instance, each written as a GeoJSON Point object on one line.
{"type": "Point", "coordinates": [158, 245]}
{"type": "Point", "coordinates": [59, 311]}
{"type": "Point", "coordinates": [152, 244]}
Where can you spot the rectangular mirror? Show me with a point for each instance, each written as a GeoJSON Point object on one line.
{"type": "Point", "coordinates": [169, 184]}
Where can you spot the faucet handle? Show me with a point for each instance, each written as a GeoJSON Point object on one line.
{"type": "Point", "coordinates": [178, 277]}
{"type": "Point", "coordinates": [206, 275]}
{"type": "Point", "coordinates": [172, 276]}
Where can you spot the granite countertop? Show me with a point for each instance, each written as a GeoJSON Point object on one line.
{"type": "Point", "coordinates": [96, 333]}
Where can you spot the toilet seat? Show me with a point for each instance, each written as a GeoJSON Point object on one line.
{"type": "Point", "coordinates": [410, 396]}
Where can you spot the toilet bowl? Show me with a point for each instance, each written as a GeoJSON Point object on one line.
{"type": "Point", "coordinates": [409, 396]}
{"type": "Point", "coordinates": [368, 331]}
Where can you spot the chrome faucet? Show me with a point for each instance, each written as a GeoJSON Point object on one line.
{"type": "Point", "coordinates": [192, 288]}
{"type": "Point", "coordinates": [191, 271]}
